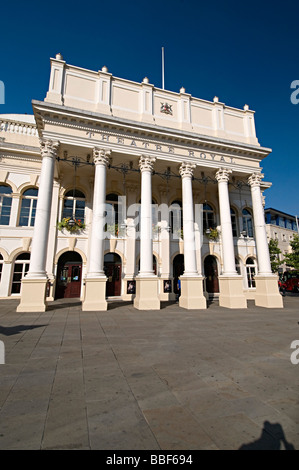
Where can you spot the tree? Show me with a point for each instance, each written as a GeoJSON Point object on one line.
{"type": "Point", "coordinates": [292, 259]}
{"type": "Point", "coordinates": [274, 255]}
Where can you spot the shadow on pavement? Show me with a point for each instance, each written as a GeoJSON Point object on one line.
{"type": "Point", "coordinates": [14, 330]}
{"type": "Point", "coordinates": [272, 438]}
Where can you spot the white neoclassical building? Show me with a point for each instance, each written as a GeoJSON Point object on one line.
{"type": "Point", "coordinates": [114, 189]}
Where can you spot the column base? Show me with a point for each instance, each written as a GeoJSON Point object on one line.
{"type": "Point", "coordinates": [267, 292]}
{"type": "Point", "coordinates": [231, 292]}
{"type": "Point", "coordinates": [147, 297]}
{"type": "Point", "coordinates": [192, 296]}
{"type": "Point", "coordinates": [95, 295]}
{"type": "Point", "coordinates": [33, 295]}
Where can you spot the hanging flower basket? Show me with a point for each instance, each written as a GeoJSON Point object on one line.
{"type": "Point", "coordinates": [212, 234]}
{"type": "Point", "coordinates": [74, 228]}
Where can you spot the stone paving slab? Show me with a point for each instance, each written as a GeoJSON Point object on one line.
{"type": "Point", "coordinates": [171, 379]}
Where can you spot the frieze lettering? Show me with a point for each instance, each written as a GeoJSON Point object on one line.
{"type": "Point", "coordinates": [164, 148]}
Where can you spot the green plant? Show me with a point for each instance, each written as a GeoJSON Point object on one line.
{"type": "Point", "coordinates": [292, 259]}
{"type": "Point", "coordinates": [212, 233]}
{"type": "Point", "coordinates": [274, 252]}
{"type": "Point", "coordinates": [73, 228]}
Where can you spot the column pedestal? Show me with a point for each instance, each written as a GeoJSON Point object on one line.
{"type": "Point", "coordinates": [192, 296]}
{"type": "Point", "coordinates": [231, 292]}
{"type": "Point", "coordinates": [147, 293]}
{"type": "Point", "coordinates": [95, 294]}
{"type": "Point", "coordinates": [267, 292]}
{"type": "Point", "coordinates": [33, 295]}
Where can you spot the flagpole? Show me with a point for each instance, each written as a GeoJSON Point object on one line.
{"type": "Point", "coordinates": [163, 68]}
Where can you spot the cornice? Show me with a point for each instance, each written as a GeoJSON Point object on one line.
{"type": "Point", "coordinates": [90, 119]}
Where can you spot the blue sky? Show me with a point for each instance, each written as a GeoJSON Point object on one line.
{"type": "Point", "coordinates": [244, 53]}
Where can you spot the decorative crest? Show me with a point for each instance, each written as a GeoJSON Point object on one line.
{"type": "Point", "coordinates": [166, 108]}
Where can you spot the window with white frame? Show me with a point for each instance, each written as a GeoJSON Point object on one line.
{"type": "Point", "coordinates": [247, 222]}
{"type": "Point", "coordinates": [1, 266]}
{"type": "Point", "coordinates": [233, 216]}
{"type": "Point", "coordinates": [28, 207]}
{"type": "Point", "coordinates": [208, 217]}
{"type": "Point", "coordinates": [5, 204]}
{"type": "Point", "coordinates": [21, 267]}
{"type": "Point", "coordinates": [251, 272]}
{"type": "Point", "coordinates": [74, 205]}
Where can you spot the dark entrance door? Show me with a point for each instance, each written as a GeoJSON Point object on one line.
{"type": "Point", "coordinates": [69, 274]}
{"type": "Point", "coordinates": [211, 274]}
{"type": "Point", "coordinates": [178, 270]}
{"type": "Point", "coordinates": [112, 268]}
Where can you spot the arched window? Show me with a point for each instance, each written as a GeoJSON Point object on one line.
{"type": "Point", "coordinates": [247, 222]}
{"type": "Point", "coordinates": [251, 271]}
{"type": "Point", "coordinates": [233, 216]}
{"type": "Point", "coordinates": [112, 214]}
{"type": "Point", "coordinates": [208, 217]}
{"type": "Point", "coordinates": [21, 267]}
{"type": "Point", "coordinates": [74, 205]}
{"type": "Point", "coordinates": [176, 218]}
{"type": "Point", "coordinates": [28, 207]}
{"type": "Point", "coordinates": [5, 204]}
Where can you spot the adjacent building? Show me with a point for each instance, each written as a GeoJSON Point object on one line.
{"type": "Point", "coordinates": [117, 189]}
{"type": "Point", "coordinates": [281, 227]}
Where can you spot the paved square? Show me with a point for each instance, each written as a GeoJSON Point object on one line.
{"type": "Point", "coordinates": [171, 379]}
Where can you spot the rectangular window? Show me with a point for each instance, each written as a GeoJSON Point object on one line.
{"type": "Point", "coordinates": [5, 208]}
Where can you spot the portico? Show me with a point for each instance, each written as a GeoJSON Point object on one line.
{"type": "Point", "coordinates": [152, 183]}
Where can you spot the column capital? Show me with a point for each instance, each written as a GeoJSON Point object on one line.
{"type": "Point", "coordinates": [146, 163]}
{"type": "Point", "coordinates": [222, 175]}
{"type": "Point", "coordinates": [186, 169]}
{"type": "Point", "coordinates": [49, 148]}
{"type": "Point", "coordinates": [101, 156]}
{"type": "Point", "coordinates": [255, 179]}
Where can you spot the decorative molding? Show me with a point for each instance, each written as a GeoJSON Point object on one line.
{"type": "Point", "coordinates": [186, 169]}
{"type": "Point", "coordinates": [146, 163]}
{"type": "Point", "coordinates": [101, 156]}
{"type": "Point", "coordinates": [255, 179]}
{"type": "Point", "coordinates": [49, 148]}
{"type": "Point", "coordinates": [222, 175]}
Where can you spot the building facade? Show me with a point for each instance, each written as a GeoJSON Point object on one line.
{"type": "Point", "coordinates": [117, 189]}
{"type": "Point", "coordinates": [281, 227]}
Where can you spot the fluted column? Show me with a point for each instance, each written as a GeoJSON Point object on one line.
{"type": "Point", "coordinates": [43, 211]}
{"type": "Point", "coordinates": [96, 250]}
{"type": "Point", "coordinates": [146, 165]}
{"type": "Point", "coordinates": [192, 296]}
{"type": "Point", "coordinates": [186, 172]}
{"type": "Point", "coordinates": [264, 265]}
{"type": "Point", "coordinates": [34, 284]}
{"type": "Point", "coordinates": [229, 266]}
{"type": "Point", "coordinates": [147, 296]}
{"type": "Point", "coordinates": [95, 282]}
{"type": "Point", "coordinates": [267, 292]}
{"type": "Point", "coordinates": [231, 284]}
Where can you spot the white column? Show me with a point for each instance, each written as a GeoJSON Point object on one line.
{"type": "Point", "coordinates": [96, 251]}
{"type": "Point", "coordinates": [43, 211]}
{"type": "Point", "coordinates": [186, 172]}
{"type": "Point", "coordinates": [146, 238]}
{"type": "Point", "coordinates": [229, 266]}
{"type": "Point", "coordinates": [264, 265]}
{"type": "Point", "coordinates": [266, 293]}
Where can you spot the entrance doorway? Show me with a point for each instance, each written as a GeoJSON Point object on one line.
{"type": "Point", "coordinates": [112, 268]}
{"type": "Point", "coordinates": [69, 275]}
{"type": "Point", "coordinates": [211, 274]}
{"type": "Point", "coordinates": [178, 270]}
